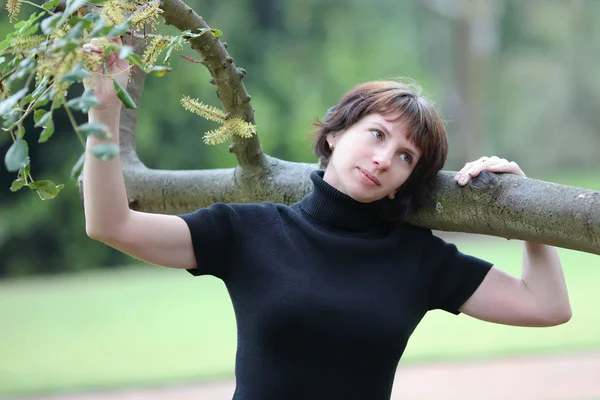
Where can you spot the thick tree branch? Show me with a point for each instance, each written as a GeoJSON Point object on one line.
{"type": "Point", "coordinates": [224, 75]}
{"type": "Point", "coordinates": [499, 205]}
{"type": "Point", "coordinates": [517, 208]}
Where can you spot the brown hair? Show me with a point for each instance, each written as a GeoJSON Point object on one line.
{"type": "Point", "coordinates": [424, 126]}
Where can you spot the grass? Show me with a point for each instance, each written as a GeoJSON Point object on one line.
{"type": "Point", "coordinates": [147, 325]}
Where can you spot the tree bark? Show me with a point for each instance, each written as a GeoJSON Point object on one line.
{"type": "Point", "coordinates": [499, 205]}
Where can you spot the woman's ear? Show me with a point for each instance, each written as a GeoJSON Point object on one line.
{"type": "Point", "coordinates": [331, 139]}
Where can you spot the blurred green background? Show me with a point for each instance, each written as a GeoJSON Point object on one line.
{"type": "Point", "coordinates": [513, 78]}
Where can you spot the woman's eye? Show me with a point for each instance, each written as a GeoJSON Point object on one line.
{"type": "Point", "coordinates": [377, 134]}
{"type": "Point", "coordinates": [406, 157]}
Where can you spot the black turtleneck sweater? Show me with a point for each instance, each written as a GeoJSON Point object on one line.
{"type": "Point", "coordinates": [325, 293]}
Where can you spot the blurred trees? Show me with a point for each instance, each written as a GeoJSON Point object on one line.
{"type": "Point", "coordinates": [512, 78]}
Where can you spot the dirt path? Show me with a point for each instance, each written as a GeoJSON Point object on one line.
{"type": "Point", "coordinates": [568, 377]}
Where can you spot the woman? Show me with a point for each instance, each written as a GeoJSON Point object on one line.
{"type": "Point", "coordinates": [327, 291]}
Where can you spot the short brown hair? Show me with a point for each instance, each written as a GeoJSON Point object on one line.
{"type": "Point", "coordinates": [424, 126]}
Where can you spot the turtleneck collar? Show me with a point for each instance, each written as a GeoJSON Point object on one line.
{"type": "Point", "coordinates": [328, 205]}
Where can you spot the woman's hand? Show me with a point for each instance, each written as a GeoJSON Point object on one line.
{"type": "Point", "coordinates": [492, 164]}
{"type": "Point", "coordinates": [101, 79]}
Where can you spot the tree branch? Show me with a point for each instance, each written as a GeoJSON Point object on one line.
{"type": "Point", "coordinates": [498, 205]}
{"type": "Point", "coordinates": [224, 75]}
{"type": "Point", "coordinates": [517, 208]}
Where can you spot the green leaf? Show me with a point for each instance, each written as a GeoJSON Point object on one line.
{"type": "Point", "coordinates": [95, 128]}
{"type": "Point", "coordinates": [57, 102]}
{"type": "Point", "coordinates": [24, 27]}
{"type": "Point", "coordinates": [105, 151]}
{"type": "Point", "coordinates": [24, 172]}
{"type": "Point", "coordinates": [187, 34]}
{"type": "Point", "coordinates": [26, 100]}
{"type": "Point", "coordinates": [43, 85]}
{"type": "Point", "coordinates": [11, 117]}
{"type": "Point", "coordinates": [23, 69]}
{"type": "Point", "coordinates": [17, 185]}
{"type": "Point", "coordinates": [73, 6]}
{"type": "Point", "coordinates": [46, 189]}
{"type": "Point", "coordinates": [44, 119]}
{"type": "Point", "coordinates": [216, 32]}
{"type": "Point", "coordinates": [49, 5]}
{"type": "Point", "coordinates": [47, 132]}
{"type": "Point", "coordinates": [50, 23]}
{"type": "Point", "coordinates": [70, 47]}
{"type": "Point", "coordinates": [85, 102]}
{"type": "Point", "coordinates": [85, 22]}
{"type": "Point", "coordinates": [20, 131]}
{"type": "Point", "coordinates": [9, 103]}
{"type": "Point", "coordinates": [78, 167]}
{"type": "Point", "coordinates": [98, 1]}
{"type": "Point", "coordinates": [119, 30]}
{"type": "Point", "coordinates": [17, 156]}
{"type": "Point", "coordinates": [135, 60]}
{"type": "Point", "coordinates": [123, 95]}
{"type": "Point", "coordinates": [4, 44]}
{"type": "Point", "coordinates": [177, 40]}
{"type": "Point", "coordinates": [76, 32]}
{"type": "Point", "coordinates": [160, 70]}
{"type": "Point", "coordinates": [76, 74]}
{"type": "Point", "coordinates": [125, 51]}
{"type": "Point", "coordinates": [43, 100]}
{"type": "Point", "coordinates": [97, 28]}
{"type": "Point", "coordinates": [110, 48]}
{"type": "Point", "coordinates": [41, 117]}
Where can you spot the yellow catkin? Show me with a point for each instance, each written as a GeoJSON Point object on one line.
{"type": "Point", "coordinates": [92, 61]}
{"type": "Point", "coordinates": [112, 12]}
{"type": "Point", "coordinates": [56, 67]}
{"type": "Point", "coordinates": [197, 107]}
{"type": "Point", "coordinates": [23, 44]}
{"type": "Point", "coordinates": [241, 128]}
{"type": "Point", "coordinates": [146, 14]}
{"type": "Point", "coordinates": [154, 49]}
{"type": "Point", "coordinates": [129, 7]}
{"type": "Point", "coordinates": [60, 32]}
{"type": "Point", "coordinates": [13, 7]}
{"type": "Point", "coordinates": [46, 67]}
{"type": "Point", "coordinates": [217, 136]}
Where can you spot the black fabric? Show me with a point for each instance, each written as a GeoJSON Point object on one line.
{"type": "Point", "coordinates": [326, 295]}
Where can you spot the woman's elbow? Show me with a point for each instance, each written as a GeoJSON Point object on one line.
{"type": "Point", "coordinates": [96, 233]}
{"type": "Point", "coordinates": [559, 317]}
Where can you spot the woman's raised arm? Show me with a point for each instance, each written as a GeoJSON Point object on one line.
{"type": "Point", "coordinates": [158, 239]}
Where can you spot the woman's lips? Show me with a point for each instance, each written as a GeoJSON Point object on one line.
{"type": "Point", "coordinates": [368, 178]}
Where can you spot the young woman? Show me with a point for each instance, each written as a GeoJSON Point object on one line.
{"type": "Point", "coordinates": [327, 291]}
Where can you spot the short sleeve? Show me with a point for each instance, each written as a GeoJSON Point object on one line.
{"type": "Point", "coordinates": [455, 276]}
{"type": "Point", "coordinates": [213, 231]}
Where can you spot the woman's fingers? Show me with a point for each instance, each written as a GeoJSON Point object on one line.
{"type": "Point", "coordinates": [492, 164]}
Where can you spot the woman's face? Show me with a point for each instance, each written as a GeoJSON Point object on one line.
{"type": "Point", "coordinates": [371, 159]}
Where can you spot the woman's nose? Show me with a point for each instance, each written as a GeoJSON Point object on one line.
{"type": "Point", "coordinates": [382, 160]}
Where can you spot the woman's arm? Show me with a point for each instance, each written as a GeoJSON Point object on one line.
{"type": "Point", "coordinates": [158, 239]}
{"type": "Point", "coordinates": [540, 296]}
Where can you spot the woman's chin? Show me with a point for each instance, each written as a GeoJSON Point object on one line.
{"type": "Point", "coordinates": [362, 196]}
